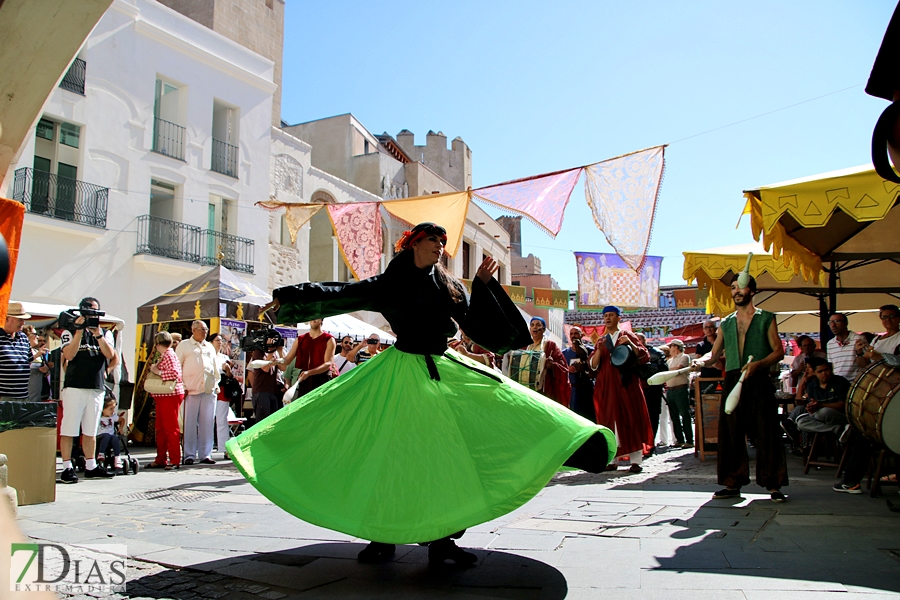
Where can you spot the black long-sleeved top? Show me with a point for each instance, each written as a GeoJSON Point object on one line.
{"type": "Point", "coordinates": [420, 311]}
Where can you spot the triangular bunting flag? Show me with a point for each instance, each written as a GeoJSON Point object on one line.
{"type": "Point", "coordinates": [542, 199]}
{"type": "Point", "coordinates": [622, 193]}
{"type": "Point", "coordinates": [447, 210]}
{"type": "Point", "coordinates": [357, 226]}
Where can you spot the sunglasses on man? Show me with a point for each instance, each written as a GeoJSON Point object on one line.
{"type": "Point", "coordinates": [371, 341]}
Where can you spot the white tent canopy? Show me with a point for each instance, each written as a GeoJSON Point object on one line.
{"type": "Point", "coordinates": [45, 314]}
{"type": "Point", "coordinates": [341, 325]}
{"type": "Point", "coordinates": [808, 321]}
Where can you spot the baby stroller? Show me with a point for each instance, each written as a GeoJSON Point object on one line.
{"type": "Point", "coordinates": [129, 463]}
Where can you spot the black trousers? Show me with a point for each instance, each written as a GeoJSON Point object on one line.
{"type": "Point", "coordinates": [653, 395]}
{"type": "Point", "coordinates": [756, 416]}
{"type": "Point", "coordinates": [858, 456]}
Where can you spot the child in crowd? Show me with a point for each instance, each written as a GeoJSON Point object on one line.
{"type": "Point", "coordinates": [107, 434]}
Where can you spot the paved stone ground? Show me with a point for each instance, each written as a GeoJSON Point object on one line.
{"type": "Point", "coordinates": [204, 532]}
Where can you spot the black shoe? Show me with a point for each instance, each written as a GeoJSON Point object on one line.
{"type": "Point", "coordinates": [207, 461]}
{"type": "Point", "coordinates": [727, 493]}
{"type": "Point", "coordinates": [777, 496]}
{"type": "Point", "coordinates": [98, 472]}
{"type": "Point", "coordinates": [376, 552]}
{"type": "Point", "coordinates": [446, 549]}
{"type": "Point", "coordinates": [68, 476]}
{"type": "Point", "coordinates": [189, 461]}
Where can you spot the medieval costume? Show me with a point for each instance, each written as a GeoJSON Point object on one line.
{"type": "Point", "coordinates": [419, 442]}
{"type": "Point", "coordinates": [541, 365]}
{"type": "Point", "coordinates": [581, 400]}
{"type": "Point", "coordinates": [756, 415]}
{"type": "Point", "coordinates": [618, 399]}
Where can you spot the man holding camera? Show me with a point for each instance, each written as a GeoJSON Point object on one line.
{"type": "Point", "coordinates": [89, 353]}
{"type": "Point", "coordinates": [201, 379]}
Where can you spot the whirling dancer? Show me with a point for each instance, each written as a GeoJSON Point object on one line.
{"type": "Point", "coordinates": [417, 443]}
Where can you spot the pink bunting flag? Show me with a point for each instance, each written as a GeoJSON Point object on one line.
{"type": "Point", "coordinates": [541, 199]}
{"type": "Point", "coordinates": [622, 193]}
{"type": "Point", "coordinates": [358, 229]}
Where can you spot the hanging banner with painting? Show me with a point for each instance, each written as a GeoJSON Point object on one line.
{"type": "Point", "coordinates": [605, 279]}
{"type": "Point", "coordinates": [232, 333]}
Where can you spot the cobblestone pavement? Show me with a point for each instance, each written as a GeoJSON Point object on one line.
{"type": "Point", "coordinates": [204, 532]}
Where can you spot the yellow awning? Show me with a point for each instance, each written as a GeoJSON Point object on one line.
{"type": "Point", "coordinates": [859, 192]}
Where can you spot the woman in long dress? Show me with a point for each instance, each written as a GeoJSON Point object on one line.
{"type": "Point", "coordinates": [417, 443]}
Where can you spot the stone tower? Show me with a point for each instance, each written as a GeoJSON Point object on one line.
{"type": "Point", "coordinates": [254, 24]}
{"type": "Point", "coordinates": [453, 165]}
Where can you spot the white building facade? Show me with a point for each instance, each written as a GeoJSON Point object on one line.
{"type": "Point", "coordinates": [144, 170]}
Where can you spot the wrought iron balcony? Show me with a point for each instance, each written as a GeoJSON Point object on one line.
{"type": "Point", "coordinates": [224, 158]}
{"type": "Point", "coordinates": [230, 251]}
{"type": "Point", "coordinates": [171, 239]}
{"type": "Point", "coordinates": [62, 198]}
{"type": "Point", "coordinates": [74, 78]}
{"type": "Point", "coordinates": [168, 138]}
{"type": "Point", "coordinates": [188, 243]}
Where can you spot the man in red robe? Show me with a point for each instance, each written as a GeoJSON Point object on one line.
{"type": "Point", "coordinates": [618, 398]}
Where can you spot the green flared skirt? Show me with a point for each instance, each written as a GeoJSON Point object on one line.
{"type": "Point", "coordinates": [386, 453]}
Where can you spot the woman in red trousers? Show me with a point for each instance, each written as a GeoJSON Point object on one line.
{"type": "Point", "coordinates": [168, 435]}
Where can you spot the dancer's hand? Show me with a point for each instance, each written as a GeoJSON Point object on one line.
{"type": "Point", "coordinates": [487, 269]}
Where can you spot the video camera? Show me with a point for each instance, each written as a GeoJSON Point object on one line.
{"type": "Point", "coordinates": [259, 340]}
{"type": "Point", "coordinates": [91, 318]}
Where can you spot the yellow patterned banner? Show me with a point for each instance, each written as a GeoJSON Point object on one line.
{"type": "Point", "coordinates": [550, 298]}
{"type": "Point", "coordinates": [858, 192]}
{"type": "Point", "coordinates": [516, 293]}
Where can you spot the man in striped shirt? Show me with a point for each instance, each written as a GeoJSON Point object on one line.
{"type": "Point", "coordinates": [15, 355]}
{"type": "Point", "coordinates": [842, 348]}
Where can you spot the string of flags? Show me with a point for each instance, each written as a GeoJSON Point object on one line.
{"type": "Point", "coordinates": [621, 192]}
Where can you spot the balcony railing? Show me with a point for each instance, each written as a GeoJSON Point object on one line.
{"type": "Point", "coordinates": [62, 198]}
{"type": "Point", "coordinates": [168, 138]}
{"type": "Point", "coordinates": [74, 78]}
{"type": "Point", "coordinates": [171, 239]}
{"type": "Point", "coordinates": [231, 251]}
{"type": "Point", "coordinates": [224, 158]}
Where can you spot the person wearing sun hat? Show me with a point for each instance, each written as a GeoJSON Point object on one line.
{"type": "Point", "coordinates": [677, 396]}
{"type": "Point", "coordinates": [15, 355]}
{"type": "Point", "coordinates": [420, 442]}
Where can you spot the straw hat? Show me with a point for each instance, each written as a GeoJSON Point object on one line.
{"type": "Point", "coordinates": [17, 310]}
{"type": "Point", "coordinates": [677, 342]}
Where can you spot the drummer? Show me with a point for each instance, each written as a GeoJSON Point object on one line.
{"type": "Point", "coordinates": [886, 343]}
{"type": "Point", "coordinates": [618, 398]}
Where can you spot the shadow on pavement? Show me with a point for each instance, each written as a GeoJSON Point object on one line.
{"type": "Point", "coordinates": [330, 570]}
{"type": "Point", "coordinates": [817, 541]}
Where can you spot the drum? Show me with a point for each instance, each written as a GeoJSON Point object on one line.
{"type": "Point", "coordinates": [525, 367]}
{"type": "Point", "coordinates": [869, 406]}
{"type": "Point", "coordinates": [623, 357]}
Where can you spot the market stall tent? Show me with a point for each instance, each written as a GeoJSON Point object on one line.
{"type": "Point", "coordinates": [843, 223]}
{"type": "Point", "coordinates": [211, 297]}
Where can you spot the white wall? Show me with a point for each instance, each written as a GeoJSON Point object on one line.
{"type": "Point", "coordinates": [134, 42]}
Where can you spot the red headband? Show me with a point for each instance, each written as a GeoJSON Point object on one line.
{"type": "Point", "coordinates": [412, 236]}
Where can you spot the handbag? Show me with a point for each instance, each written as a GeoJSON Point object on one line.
{"type": "Point", "coordinates": [155, 386]}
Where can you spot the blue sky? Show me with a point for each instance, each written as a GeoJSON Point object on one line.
{"type": "Point", "coordinates": [534, 87]}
